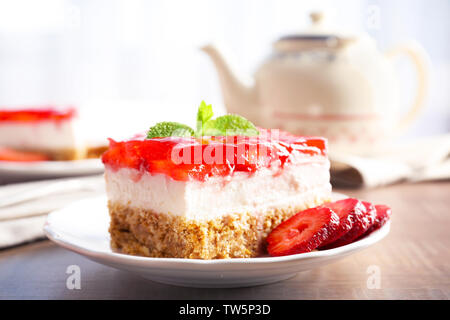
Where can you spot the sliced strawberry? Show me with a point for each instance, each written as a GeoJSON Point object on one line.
{"type": "Point", "coordinates": [7, 154]}
{"type": "Point", "coordinates": [361, 224]}
{"type": "Point", "coordinates": [303, 232]}
{"type": "Point", "coordinates": [349, 211]}
{"type": "Point", "coordinates": [383, 215]}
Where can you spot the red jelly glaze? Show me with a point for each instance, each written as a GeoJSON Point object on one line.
{"type": "Point", "coordinates": [36, 115]}
{"type": "Point", "coordinates": [200, 159]}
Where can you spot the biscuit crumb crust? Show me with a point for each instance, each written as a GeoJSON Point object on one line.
{"type": "Point", "coordinates": [143, 232]}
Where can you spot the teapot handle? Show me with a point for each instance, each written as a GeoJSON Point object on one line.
{"type": "Point", "coordinates": [420, 60]}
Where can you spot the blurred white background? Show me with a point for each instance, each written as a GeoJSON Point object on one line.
{"type": "Point", "coordinates": [108, 56]}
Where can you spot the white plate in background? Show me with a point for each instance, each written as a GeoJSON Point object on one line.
{"type": "Point", "coordinates": [83, 228]}
{"type": "Point", "coordinates": [49, 169]}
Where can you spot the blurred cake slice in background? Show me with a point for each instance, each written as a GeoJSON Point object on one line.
{"type": "Point", "coordinates": [45, 133]}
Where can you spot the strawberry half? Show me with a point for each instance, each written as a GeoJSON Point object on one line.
{"type": "Point", "coordinates": [383, 215]}
{"type": "Point", "coordinates": [361, 224]}
{"type": "Point", "coordinates": [349, 211]}
{"type": "Point", "coordinates": [303, 232]}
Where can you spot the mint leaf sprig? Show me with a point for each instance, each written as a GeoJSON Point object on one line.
{"type": "Point", "coordinates": [204, 114]}
{"type": "Point", "coordinates": [230, 124]}
{"type": "Point", "coordinates": [167, 129]}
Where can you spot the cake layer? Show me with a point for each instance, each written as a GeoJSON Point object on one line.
{"type": "Point", "coordinates": [257, 192]}
{"type": "Point", "coordinates": [36, 115]}
{"type": "Point", "coordinates": [144, 232]}
{"type": "Point", "coordinates": [188, 158]}
{"type": "Point", "coordinates": [42, 135]}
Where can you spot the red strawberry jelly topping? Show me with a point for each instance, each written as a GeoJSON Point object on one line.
{"type": "Point", "coordinates": [35, 115]}
{"type": "Point", "coordinates": [184, 158]}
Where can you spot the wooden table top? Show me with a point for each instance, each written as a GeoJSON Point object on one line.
{"type": "Point", "coordinates": [413, 263]}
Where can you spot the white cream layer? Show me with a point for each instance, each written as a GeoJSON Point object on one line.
{"type": "Point", "coordinates": [264, 190]}
{"type": "Point", "coordinates": [42, 135]}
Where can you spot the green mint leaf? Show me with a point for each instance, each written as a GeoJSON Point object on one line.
{"type": "Point", "coordinates": [231, 125]}
{"type": "Point", "coordinates": [204, 114]}
{"type": "Point", "coordinates": [168, 129]}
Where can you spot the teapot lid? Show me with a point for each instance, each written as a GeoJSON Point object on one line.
{"type": "Point", "coordinates": [318, 35]}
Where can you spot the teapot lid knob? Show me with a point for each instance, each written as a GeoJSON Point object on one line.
{"type": "Point", "coordinates": [317, 17]}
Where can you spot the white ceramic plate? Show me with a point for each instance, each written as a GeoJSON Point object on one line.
{"type": "Point", "coordinates": [50, 168]}
{"type": "Point", "coordinates": [83, 227]}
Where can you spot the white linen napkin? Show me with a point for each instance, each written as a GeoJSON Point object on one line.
{"type": "Point", "coordinates": [420, 160]}
{"type": "Point", "coordinates": [24, 206]}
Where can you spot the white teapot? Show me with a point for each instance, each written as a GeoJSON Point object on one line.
{"type": "Point", "coordinates": [326, 84]}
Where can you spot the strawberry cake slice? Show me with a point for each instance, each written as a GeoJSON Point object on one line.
{"type": "Point", "coordinates": [40, 134]}
{"type": "Point", "coordinates": [210, 196]}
